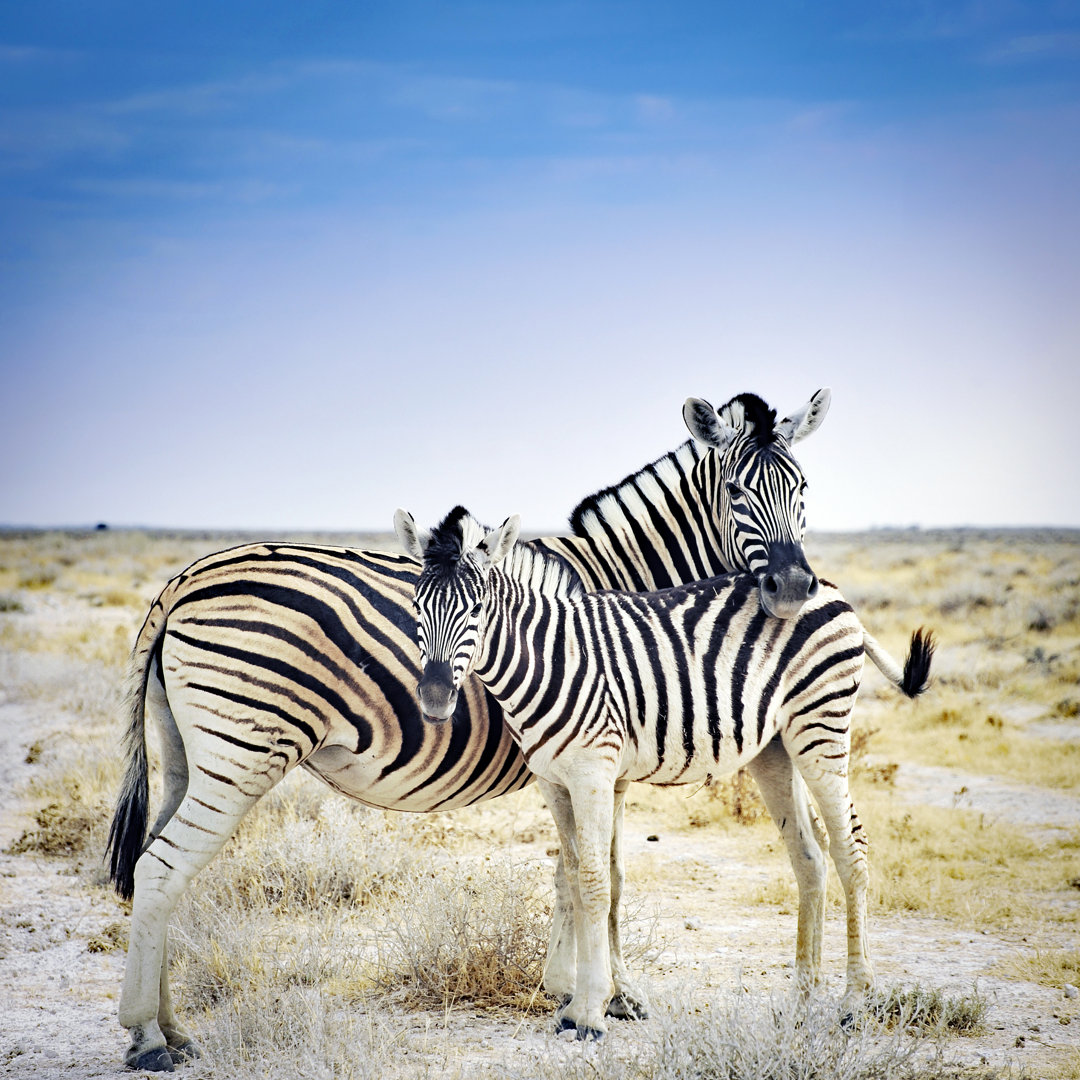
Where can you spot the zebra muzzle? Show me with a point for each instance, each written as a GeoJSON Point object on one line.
{"type": "Point", "coordinates": [436, 692]}
{"type": "Point", "coordinates": [788, 581]}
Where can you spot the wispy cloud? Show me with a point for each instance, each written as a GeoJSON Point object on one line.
{"type": "Point", "coordinates": [200, 98]}
{"type": "Point", "coordinates": [240, 191]}
{"type": "Point", "coordinates": [35, 139]}
{"type": "Point", "coordinates": [1035, 47]}
{"type": "Point", "coordinates": [33, 54]}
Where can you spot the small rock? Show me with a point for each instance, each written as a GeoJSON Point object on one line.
{"type": "Point", "coordinates": [1071, 991]}
{"type": "Point", "coordinates": [692, 924]}
{"type": "Point", "coordinates": [652, 839]}
{"type": "Point", "coordinates": [1019, 1041]}
{"type": "Point", "coordinates": [569, 1035]}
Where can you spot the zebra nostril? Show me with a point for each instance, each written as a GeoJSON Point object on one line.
{"type": "Point", "coordinates": [772, 586]}
{"type": "Point", "coordinates": [811, 592]}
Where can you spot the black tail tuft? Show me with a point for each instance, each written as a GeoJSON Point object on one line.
{"type": "Point", "coordinates": [127, 833]}
{"type": "Point", "coordinates": [126, 837]}
{"type": "Point", "coordinates": [917, 665]}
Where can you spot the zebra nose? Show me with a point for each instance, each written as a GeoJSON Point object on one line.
{"type": "Point", "coordinates": [788, 581]}
{"type": "Point", "coordinates": [773, 587]}
{"type": "Point", "coordinates": [438, 697]}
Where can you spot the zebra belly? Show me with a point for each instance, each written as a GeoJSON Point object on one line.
{"type": "Point", "coordinates": [677, 769]}
{"type": "Point", "coordinates": [414, 765]}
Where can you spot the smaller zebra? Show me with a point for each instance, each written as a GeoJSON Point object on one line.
{"type": "Point", "coordinates": [669, 687]}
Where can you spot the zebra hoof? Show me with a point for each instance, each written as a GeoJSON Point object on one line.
{"type": "Point", "coordinates": [184, 1053]}
{"type": "Point", "coordinates": [625, 1007]}
{"type": "Point", "coordinates": [584, 1032]}
{"type": "Point", "coordinates": [157, 1060]}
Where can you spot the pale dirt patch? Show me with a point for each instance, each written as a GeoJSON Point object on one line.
{"type": "Point", "coordinates": [996, 798]}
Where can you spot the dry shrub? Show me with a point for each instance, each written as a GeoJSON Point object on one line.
{"type": "Point", "coordinates": [476, 936]}
{"type": "Point", "coordinates": [1047, 967]}
{"type": "Point", "coordinates": [733, 798]}
{"type": "Point", "coordinates": [303, 848]}
{"type": "Point", "coordinates": [738, 1036]}
{"type": "Point", "coordinates": [299, 1030]}
{"type": "Point", "coordinates": [114, 936]}
{"type": "Point", "coordinates": [67, 828]}
{"type": "Point", "coordinates": [916, 1010]}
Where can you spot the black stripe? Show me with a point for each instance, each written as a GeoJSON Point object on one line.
{"type": "Point", "coordinates": [836, 695]}
{"type": "Point", "coordinates": [738, 679]}
{"type": "Point", "coordinates": [253, 748]}
{"type": "Point", "coordinates": [819, 669]}
{"type": "Point", "coordinates": [820, 742]}
{"type": "Point", "coordinates": [260, 705]}
{"type": "Point", "coordinates": [741, 588]}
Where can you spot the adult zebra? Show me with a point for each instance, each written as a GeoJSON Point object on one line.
{"type": "Point", "coordinates": [670, 687]}
{"type": "Point", "coordinates": [268, 656]}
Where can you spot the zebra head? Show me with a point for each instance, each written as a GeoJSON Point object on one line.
{"type": "Point", "coordinates": [756, 489]}
{"type": "Point", "coordinates": [450, 593]}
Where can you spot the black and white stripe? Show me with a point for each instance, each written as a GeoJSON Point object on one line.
{"type": "Point", "coordinates": [669, 687]}
{"type": "Point", "coordinates": [268, 656]}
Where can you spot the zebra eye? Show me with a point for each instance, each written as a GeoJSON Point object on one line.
{"type": "Point", "coordinates": [734, 491]}
{"type": "Point", "coordinates": [476, 610]}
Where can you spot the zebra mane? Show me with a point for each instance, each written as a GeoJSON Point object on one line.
{"type": "Point", "coordinates": [459, 534]}
{"type": "Point", "coordinates": [456, 534]}
{"type": "Point", "coordinates": [750, 412]}
{"type": "Point", "coordinates": [609, 505]}
{"type": "Point", "coordinates": [543, 572]}
{"type": "Point", "coordinates": [665, 472]}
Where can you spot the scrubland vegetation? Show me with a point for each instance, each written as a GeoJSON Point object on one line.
{"type": "Point", "coordinates": [334, 940]}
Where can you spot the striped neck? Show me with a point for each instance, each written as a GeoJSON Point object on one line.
{"type": "Point", "coordinates": [520, 625]}
{"type": "Point", "coordinates": [655, 529]}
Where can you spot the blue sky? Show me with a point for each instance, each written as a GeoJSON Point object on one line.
{"type": "Point", "coordinates": [293, 265]}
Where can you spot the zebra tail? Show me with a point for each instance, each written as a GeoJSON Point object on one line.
{"type": "Point", "coordinates": [914, 678]}
{"type": "Point", "coordinates": [127, 833]}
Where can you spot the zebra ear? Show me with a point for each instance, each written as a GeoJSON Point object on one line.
{"type": "Point", "coordinates": [806, 420]}
{"type": "Point", "coordinates": [410, 538]}
{"type": "Point", "coordinates": [499, 541]}
{"type": "Point", "coordinates": [705, 424]}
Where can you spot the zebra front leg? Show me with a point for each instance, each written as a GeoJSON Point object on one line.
{"type": "Point", "coordinates": [593, 800]}
{"type": "Point", "coordinates": [847, 844]}
{"type": "Point", "coordinates": [559, 968]}
{"type": "Point", "coordinates": [629, 1001]}
{"type": "Point", "coordinates": [205, 819]}
{"type": "Point", "coordinates": [788, 804]}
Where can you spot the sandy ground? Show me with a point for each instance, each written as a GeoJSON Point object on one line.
{"type": "Point", "coordinates": [59, 998]}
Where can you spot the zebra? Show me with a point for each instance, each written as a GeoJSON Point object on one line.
{"type": "Point", "coordinates": [669, 687]}
{"type": "Point", "coordinates": [267, 656]}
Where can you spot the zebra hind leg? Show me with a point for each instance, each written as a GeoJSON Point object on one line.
{"type": "Point", "coordinates": [848, 849]}
{"type": "Point", "coordinates": [206, 817]}
{"type": "Point", "coordinates": [789, 805]}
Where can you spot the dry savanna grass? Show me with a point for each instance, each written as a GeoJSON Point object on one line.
{"type": "Point", "coordinates": [324, 926]}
